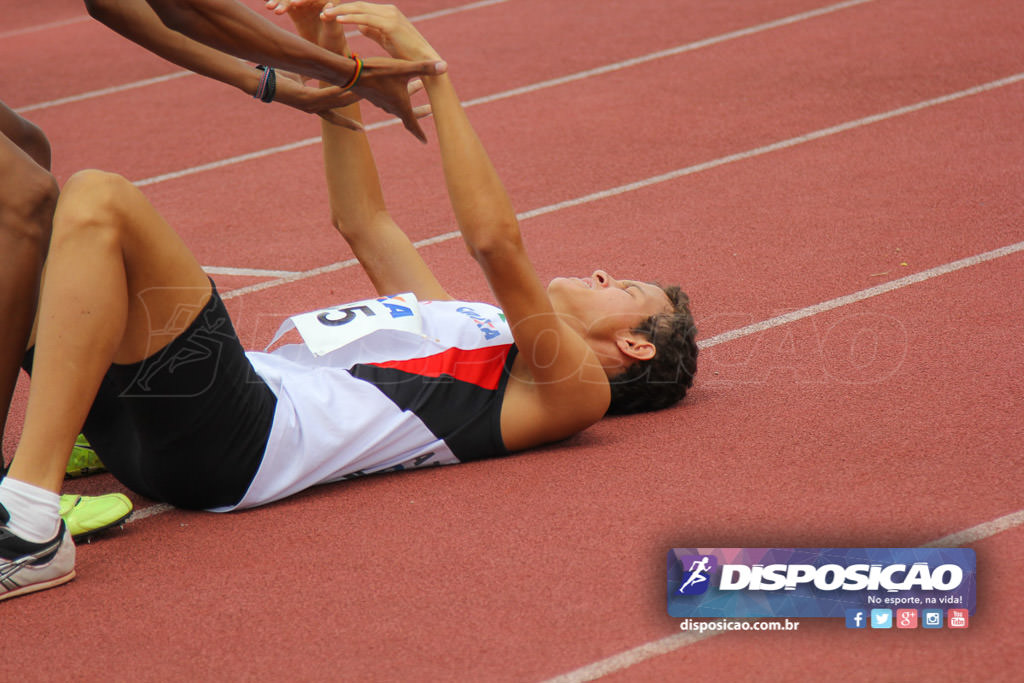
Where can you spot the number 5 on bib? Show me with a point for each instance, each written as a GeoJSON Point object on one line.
{"type": "Point", "coordinates": [329, 329]}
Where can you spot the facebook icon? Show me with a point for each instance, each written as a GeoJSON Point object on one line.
{"type": "Point", "coordinates": [856, 618]}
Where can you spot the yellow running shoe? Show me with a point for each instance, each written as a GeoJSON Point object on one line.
{"type": "Point", "coordinates": [86, 515]}
{"type": "Point", "coordinates": [83, 460]}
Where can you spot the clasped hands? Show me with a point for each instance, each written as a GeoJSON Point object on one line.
{"type": "Point", "coordinates": [384, 82]}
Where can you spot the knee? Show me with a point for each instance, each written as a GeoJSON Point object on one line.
{"type": "Point", "coordinates": [34, 142]}
{"type": "Point", "coordinates": [91, 201]}
{"type": "Point", "coordinates": [28, 137]}
{"type": "Point", "coordinates": [42, 197]}
{"type": "Point", "coordinates": [94, 187]}
{"type": "Point", "coordinates": [91, 195]}
{"type": "Point", "coordinates": [27, 205]}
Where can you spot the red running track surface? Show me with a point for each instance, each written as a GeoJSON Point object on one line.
{"type": "Point", "coordinates": [738, 155]}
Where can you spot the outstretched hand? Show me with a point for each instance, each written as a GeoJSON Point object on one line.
{"type": "Point", "coordinates": [385, 82]}
{"type": "Point", "coordinates": [305, 15]}
{"type": "Point", "coordinates": [292, 91]}
{"type": "Point", "coordinates": [385, 25]}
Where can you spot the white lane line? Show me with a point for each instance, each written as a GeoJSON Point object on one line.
{"type": "Point", "coordinates": [624, 660]}
{"type": "Point", "coordinates": [519, 91]}
{"type": "Point", "coordinates": [150, 511]}
{"type": "Point", "coordinates": [622, 188]}
{"type": "Point", "coordinates": [665, 177]}
{"type": "Point", "coordinates": [673, 51]}
{"type": "Point", "coordinates": [43, 27]}
{"type": "Point", "coordinates": [230, 161]}
{"type": "Point", "coordinates": [783, 144]}
{"type": "Point", "coordinates": [452, 10]}
{"type": "Point", "coordinates": [178, 74]}
{"type": "Point", "coordinates": [655, 648]}
{"type": "Point", "coordinates": [257, 272]}
{"type": "Point", "coordinates": [793, 316]}
{"type": "Point", "coordinates": [979, 532]}
{"type": "Point", "coordinates": [105, 91]}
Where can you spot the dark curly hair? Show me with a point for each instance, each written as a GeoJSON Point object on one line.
{"type": "Point", "coordinates": [664, 379]}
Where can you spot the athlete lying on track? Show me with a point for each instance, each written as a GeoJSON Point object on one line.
{"type": "Point", "coordinates": [208, 37]}
{"type": "Point", "coordinates": [187, 417]}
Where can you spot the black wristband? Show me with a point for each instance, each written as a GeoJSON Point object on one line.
{"type": "Point", "coordinates": [268, 84]}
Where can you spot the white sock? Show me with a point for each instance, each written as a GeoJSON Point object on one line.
{"type": "Point", "coordinates": [34, 511]}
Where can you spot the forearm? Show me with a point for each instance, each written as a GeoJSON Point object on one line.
{"type": "Point", "coordinates": [482, 207]}
{"type": "Point", "coordinates": [353, 183]}
{"type": "Point", "coordinates": [136, 21]}
{"type": "Point", "coordinates": [358, 210]}
{"type": "Point", "coordinates": [233, 28]}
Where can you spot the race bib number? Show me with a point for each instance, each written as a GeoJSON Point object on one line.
{"type": "Point", "coordinates": [330, 329]}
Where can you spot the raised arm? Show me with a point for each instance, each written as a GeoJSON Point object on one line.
{"type": "Point", "coordinates": [558, 358]}
{"type": "Point", "coordinates": [233, 28]}
{"type": "Point", "coordinates": [136, 20]}
{"type": "Point", "coordinates": [358, 210]}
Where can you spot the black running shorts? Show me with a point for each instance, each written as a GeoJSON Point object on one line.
{"type": "Point", "coordinates": [188, 425]}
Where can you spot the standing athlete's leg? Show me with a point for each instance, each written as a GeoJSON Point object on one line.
{"type": "Point", "coordinates": [28, 196]}
{"type": "Point", "coordinates": [26, 135]}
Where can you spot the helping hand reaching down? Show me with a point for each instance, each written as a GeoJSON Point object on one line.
{"type": "Point", "coordinates": [324, 101]}
{"type": "Point", "coordinates": [384, 82]}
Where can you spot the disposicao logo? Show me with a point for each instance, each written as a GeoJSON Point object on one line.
{"type": "Point", "coordinates": [817, 582]}
{"type": "Point", "coordinates": [696, 579]}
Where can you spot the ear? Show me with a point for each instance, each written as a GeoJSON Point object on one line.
{"type": "Point", "coordinates": [635, 346]}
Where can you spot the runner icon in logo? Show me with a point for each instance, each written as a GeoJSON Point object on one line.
{"type": "Point", "coordinates": [697, 575]}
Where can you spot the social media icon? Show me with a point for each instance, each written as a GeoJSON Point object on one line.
{"type": "Point", "coordinates": [931, 618]}
{"type": "Point", "coordinates": [856, 618]}
{"type": "Point", "coordinates": [906, 618]}
{"type": "Point", "coordinates": [957, 618]}
{"type": "Point", "coordinates": [881, 618]}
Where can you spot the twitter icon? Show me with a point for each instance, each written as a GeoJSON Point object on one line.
{"type": "Point", "coordinates": [881, 618]}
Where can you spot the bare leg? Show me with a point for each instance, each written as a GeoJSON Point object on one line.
{"type": "Point", "coordinates": [140, 290]}
{"type": "Point", "coordinates": [26, 135]}
{"type": "Point", "coordinates": [28, 195]}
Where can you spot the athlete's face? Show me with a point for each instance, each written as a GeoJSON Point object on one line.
{"type": "Point", "coordinates": [600, 304]}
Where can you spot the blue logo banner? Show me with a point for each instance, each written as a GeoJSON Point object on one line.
{"type": "Point", "coordinates": [817, 582]}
